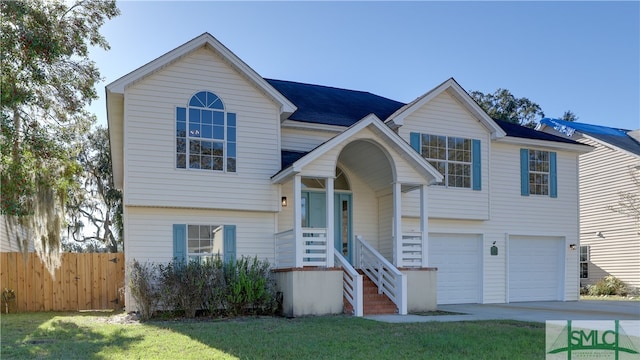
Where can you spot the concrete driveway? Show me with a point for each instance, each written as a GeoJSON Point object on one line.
{"type": "Point", "coordinates": [538, 311]}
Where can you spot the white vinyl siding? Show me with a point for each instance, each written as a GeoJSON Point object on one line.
{"type": "Point", "coordinates": [325, 164]}
{"type": "Point", "coordinates": [446, 116]}
{"type": "Point", "coordinates": [385, 225]}
{"type": "Point", "coordinates": [150, 235]}
{"type": "Point", "coordinates": [532, 217]}
{"type": "Point", "coordinates": [9, 239]}
{"type": "Point", "coordinates": [604, 173]}
{"type": "Point", "coordinates": [150, 108]}
{"type": "Point", "coordinates": [303, 140]}
{"type": "Point", "coordinates": [149, 232]}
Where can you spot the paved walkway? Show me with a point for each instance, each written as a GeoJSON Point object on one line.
{"type": "Point", "coordinates": [537, 311]}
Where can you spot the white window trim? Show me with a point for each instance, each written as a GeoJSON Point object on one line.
{"type": "Point", "coordinates": [445, 179]}
{"type": "Point", "coordinates": [219, 228]}
{"type": "Point", "coordinates": [548, 173]}
{"type": "Point", "coordinates": [580, 261]}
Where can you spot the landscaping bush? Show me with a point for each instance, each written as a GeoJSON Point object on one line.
{"type": "Point", "coordinates": [250, 287]}
{"type": "Point", "coordinates": [144, 287]}
{"type": "Point", "coordinates": [184, 286]}
{"type": "Point", "coordinates": [609, 285]}
{"type": "Point", "coordinates": [245, 286]}
{"type": "Point", "coordinates": [214, 293]}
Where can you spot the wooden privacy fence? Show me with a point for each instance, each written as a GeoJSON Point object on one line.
{"type": "Point", "coordinates": [82, 282]}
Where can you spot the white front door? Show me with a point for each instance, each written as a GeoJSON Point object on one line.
{"type": "Point", "coordinates": [458, 258]}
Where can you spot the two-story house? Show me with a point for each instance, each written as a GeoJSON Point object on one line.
{"type": "Point", "coordinates": [321, 181]}
{"type": "Point", "coordinates": [609, 190]}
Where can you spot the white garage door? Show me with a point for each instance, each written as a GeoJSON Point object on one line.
{"type": "Point", "coordinates": [536, 268]}
{"type": "Point", "coordinates": [458, 259]}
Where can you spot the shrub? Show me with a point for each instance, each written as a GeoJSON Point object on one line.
{"type": "Point", "coordinates": [245, 286]}
{"type": "Point", "coordinates": [609, 285]}
{"type": "Point", "coordinates": [144, 288]}
{"type": "Point", "coordinates": [250, 287]}
{"type": "Point", "coordinates": [214, 292]}
{"type": "Point", "coordinates": [183, 286]}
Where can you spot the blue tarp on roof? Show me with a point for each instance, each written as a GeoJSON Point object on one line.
{"type": "Point", "coordinates": [333, 106]}
{"type": "Point", "coordinates": [614, 136]}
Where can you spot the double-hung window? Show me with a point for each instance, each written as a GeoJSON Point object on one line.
{"type": "Point", "coordinates": [456, 158]}
{"type": "Point", "coordinates": [584, 262]}
{"type": "Point", "coordinates": [538, 173]}
{"type": "Point", "coordinates": [205, 135]}
{"type": "Point", "coordinates": [204, 242]}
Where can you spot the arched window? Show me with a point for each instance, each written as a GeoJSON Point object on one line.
{"type": "Point", "coordinates": [205, 134]}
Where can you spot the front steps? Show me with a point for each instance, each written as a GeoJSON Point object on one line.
{"type": "Point", "coordinates": [374, 303]}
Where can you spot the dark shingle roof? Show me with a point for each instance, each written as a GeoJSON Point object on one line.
{"type": "Point", "coordinates": [614, 136]}
{"type": "Point", "coordinates": [288, 157]}
{"type": "Point", "coordinates": [333, 106]}
{"type": "Point", "coordinates": [520, 131]}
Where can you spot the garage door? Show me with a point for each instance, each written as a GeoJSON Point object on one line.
{"type": "Point", "coordinates": [458, 259]}
{"type": "Point", "coordinates": [536, 268]}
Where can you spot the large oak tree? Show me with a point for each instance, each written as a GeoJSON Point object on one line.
{"type": "Point", "coordinates": [47, 82]}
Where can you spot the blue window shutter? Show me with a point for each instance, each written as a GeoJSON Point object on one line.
{"type": "Point", "coordinates": [476, 165]}
{"type": "Point", "coordinates": [553, 176]}
{"type": "Point", "coordinates": [524, 172]}
{"type": "Point", "coordinates": [415, 142]}
{"type": "Point", "coordinates": [229, 243]}
{"type": "Point", "coordinates": [180, 242]}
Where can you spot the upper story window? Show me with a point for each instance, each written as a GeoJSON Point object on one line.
{"type": "Point", "coordinates": [205, 134]}
{"type": "Point", "coordinates": [538, 172]}
{"type": "Point", "coordinates": [457, 159]}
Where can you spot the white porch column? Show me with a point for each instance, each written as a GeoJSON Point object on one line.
{"type": "Point", "coordinates": [330, 221]}
{"type": "Point", "coordinates": [297, 219]}
{"type": "Point", "coordinates": [397, 224]}
{"type": "Point", "coordinates": [424, 225]}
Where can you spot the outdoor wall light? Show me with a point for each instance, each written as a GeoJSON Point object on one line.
{"type": "Point", "coordinates": [284, 201]}
{"type": "Point", "coordinates": [494, 249]}
{"type": "Point", "coordinates": [572, 246]}
{"type": "Point", "coordinates": [600, 234]}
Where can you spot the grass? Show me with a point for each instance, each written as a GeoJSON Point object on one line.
{"type": "Point", "coordinates": [95, 336]}
{"type": "Point", "coordinates": [610, 297]}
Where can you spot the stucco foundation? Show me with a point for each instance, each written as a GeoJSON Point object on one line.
{"type": "Point", "coordinates": [421, 289]}
{"type": "Point", "coordinates": [310, 291]}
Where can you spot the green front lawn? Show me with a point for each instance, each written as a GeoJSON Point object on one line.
{"type": "Point", "coordinates": [105, 336]}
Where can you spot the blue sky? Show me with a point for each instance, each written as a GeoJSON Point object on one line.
{"type": "Point", "coordinates": [578, 56]}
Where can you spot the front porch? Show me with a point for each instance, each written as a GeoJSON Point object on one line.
{"type": "Point", "coordinates": [314, 285]}
{"type": "Point", "coordinates": [343, 208]}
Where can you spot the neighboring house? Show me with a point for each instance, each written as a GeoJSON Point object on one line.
{"type": "Point", "coordinates": [213, 158]}
{"type": "Point", "coordinates": [609, 240]}
{"type": "Point", "coordinates": [9, 239]}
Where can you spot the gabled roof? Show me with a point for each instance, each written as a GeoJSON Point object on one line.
{"type": "Point", "coordinates": [209, 41]}
{"type": "Point", "coordinates": [115, 92]}
{"type": "Point", "coordinates": [333, 106]}
{"type": "Point", "coordinates": [457, 92]}
{"type": "Point", "coordinates": [619, 138]}
{"type": "Point", "coordinates": [389, 135]}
